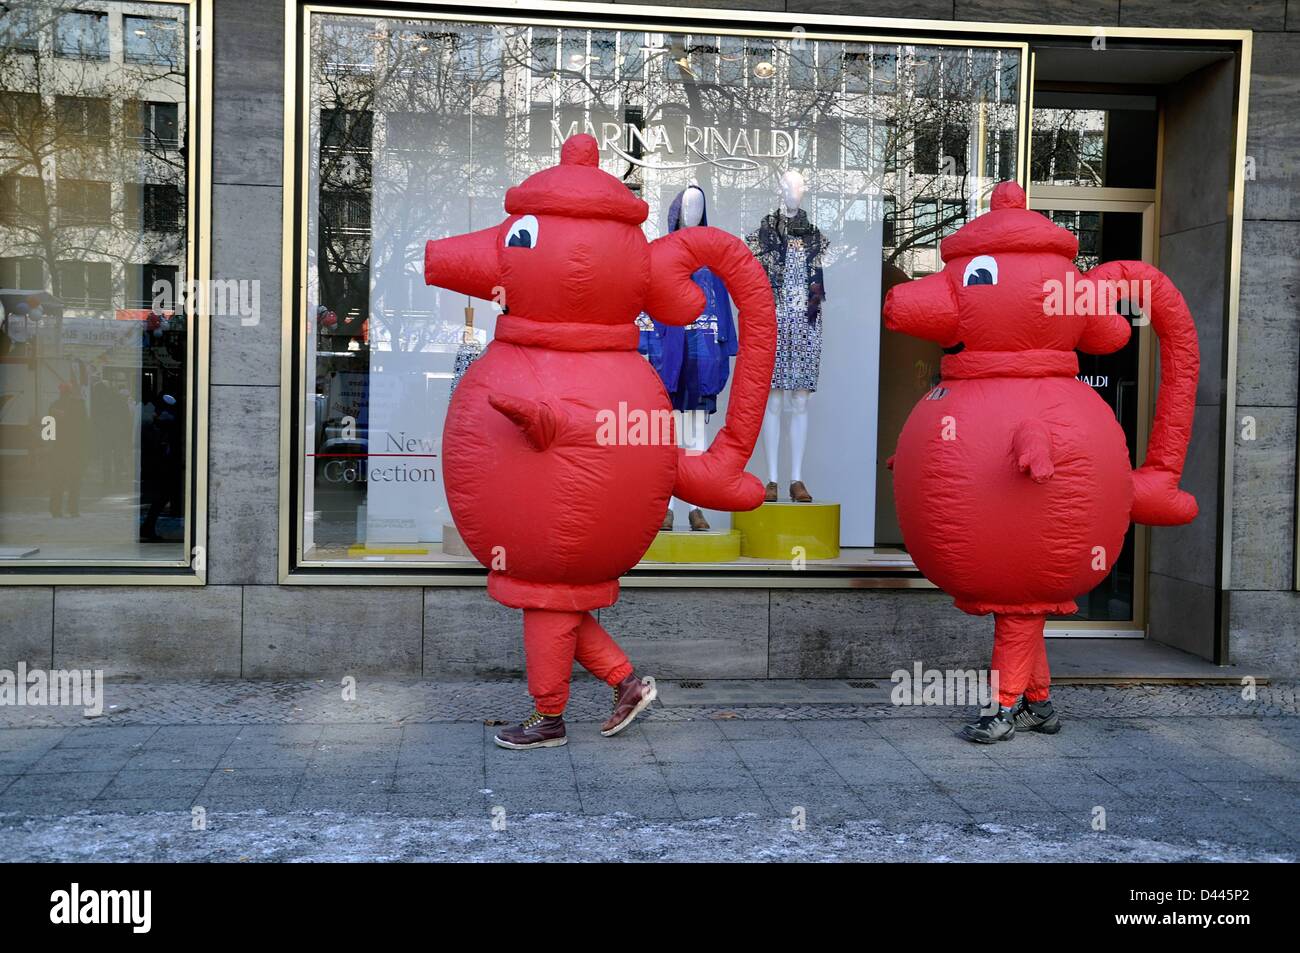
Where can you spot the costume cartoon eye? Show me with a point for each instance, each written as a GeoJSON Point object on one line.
{"type": "Point", "coordinates": [523, 233]}
{"type": "Point", "coordinates": [981, 270]}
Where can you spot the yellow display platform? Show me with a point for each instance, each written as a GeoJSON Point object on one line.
{"type": "Point", "coordinates": [790, 530]}
{"type": "Point", "coordinates": [394, 549]}
{"type": "Point", "coordinates": [712, 546]}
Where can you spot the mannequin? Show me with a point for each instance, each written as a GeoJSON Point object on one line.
{"type": "Point", "coordinates": [693, 362]}
{"type": "Point", "coordinates": [469, 350]}
{"type": "Point", "coordinates": [790, 248]}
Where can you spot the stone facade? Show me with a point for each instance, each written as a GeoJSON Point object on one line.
{"type": "Point", "coordinates": [244, 623]}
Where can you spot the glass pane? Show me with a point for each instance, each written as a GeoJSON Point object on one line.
{"type": "Point", "coordinates": [1083, 145]}
{"type": "Point", "coordinates": [416, 129]}
{"type": "Point", "coordinates": [94, 345]}
{"type": "Point", "coordinates": [1111, 236]}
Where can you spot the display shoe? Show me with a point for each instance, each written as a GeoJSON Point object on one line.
{"type": "Point", "coordinates": [536, 731]}
{"type": "Point", "coordinates": [631, 697]}
{"type": "Point", "coordinates": [1036, 716]}
{"type": "Point", "coordinates": [667, 525]}
{"type": "Point", "coordinates": [799, 493]}
{"type": "Point", "coordinates": [698, 523]}
{"type": "Point", "coordinates": [991, 729]}
{"type": "Point", "coordinates": [769, 493]}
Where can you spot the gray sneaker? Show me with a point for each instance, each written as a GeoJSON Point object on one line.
{"type": "Point", "coordinates": [1036, 716]}
{"type": "Point", "coordinates": [991, 729]}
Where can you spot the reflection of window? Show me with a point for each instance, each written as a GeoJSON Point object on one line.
{"type": "Point", "coordinates": [859, 146]}
{"type": "Point", "coordinates": [927, 223]}
{"type": "Point", "coordinates": [21, 28]}
{"type": "Point", "coordinates": [857, 71]}
{"type": "Point", "coordinates": [545, 51]}
{"type": "Point", "coordinates": [884, 146]}
{"type": "Point", "coordinates": [20, 113]}
{"type": "Point", "coordinates": [82, 34]}
{"type": "Point", "coordinates": [83, 202]}
{"type": "Point", "coordinates": [829, 144]}
{"type": "Point", "coordinates": [82, 117]}
{"type": "Point", "coordinates": [1068, 146]}
{"type": "Point", "coordinates": [956, 142]}
{"type": "Point", "coordinates": [148, 39]}
{"type": "Point", "coordinates": [884, 73]}
{"type": "Point", "coordinates": [953, 216]}
{"type": "Point", "coordinates": [345, 213]}
{"type": "Point", "coordinates": [539, 129]}
{"type": "Point", "coordinates": [604, 56]}
{"type": "Point", "coordinates": [23, 273]}
{"type": "Point", "coordinates": [346, 129]}
{"type": "Point", "coordinates": [347, 48]}
{"type": "Point", "coordinates": [22, 199]}
{"type": "Point", "coordinates": [84, 284]}
{"type": "Point", "coordinates": [162, 208]}
{"type": "Point", "coordinates": [478, 55]}
{"type": "Point", "coordinates": [890, 217]}
{"type": "Point", "coordinates": [1002, 155]}
{"type": "Point", "coordinates": [154, 125]}
{"type": "Point", "coordinates": [803, 66]}
{"type": "Point", "coordinates": [154, 281]}
{"type": "Point", "coordinates": [926, 157]}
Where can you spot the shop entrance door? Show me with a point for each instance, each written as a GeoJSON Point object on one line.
{"type": "Point", "coordinates": [1112, 224]}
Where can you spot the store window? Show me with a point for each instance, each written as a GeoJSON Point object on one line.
{"type": "Point", "coordinates": [414, 128]}
{"type": "Point", "coordinates": [96, 375]}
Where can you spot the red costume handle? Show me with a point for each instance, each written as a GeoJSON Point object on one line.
{"type": "Point", "coordinates": [1157, 500]}
{"type": "Point", "coordinates": [716, 479]}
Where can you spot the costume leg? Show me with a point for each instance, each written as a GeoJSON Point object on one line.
{"type": "Point", "coordinates": [1017, 640]}
{"type": "Point", "coordinates": [550, 640]}
{"type": "Point", "coordinates": [772, 432]}
{"type": "Point", "coordinates": [599, 654]}
{"type": "Point", "coordinates": [1040, 677]}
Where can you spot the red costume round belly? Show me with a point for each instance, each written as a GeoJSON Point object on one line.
{"type": "Point", "coordinates": [559, 526]}
{"type": "Point", "coordinates": [982, 530]}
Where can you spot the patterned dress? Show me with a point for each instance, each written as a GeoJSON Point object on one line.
{"type": "Point", "coordinates": [798, 340]}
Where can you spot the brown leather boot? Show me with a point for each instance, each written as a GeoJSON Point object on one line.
{"type": "Point", "coordinates": [631, 697]}
{"type": "Point", "coordinates": [536, 731]}
{"type": "Point", "coordinates": [799, 493]}
{"type": "Point", "coordinates": [769, 493]}
{"type": "Point", "coordinates": [667, 525]}
{"type": "Point", "coordinates": [698, 523]}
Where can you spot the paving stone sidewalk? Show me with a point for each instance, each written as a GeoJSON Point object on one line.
{"type": "Point", "coordinates": [407, 770]}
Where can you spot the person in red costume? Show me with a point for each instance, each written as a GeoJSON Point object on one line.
{"type": "Point", "coordinates": [559, 448]}
{"type": "Point", "coordinates": [1012, 476]}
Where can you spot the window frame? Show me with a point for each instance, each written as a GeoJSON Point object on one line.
{"type": "Point", "coordinates": [192, 568]}
{"type": "Point", "coordinates": [886, 572]}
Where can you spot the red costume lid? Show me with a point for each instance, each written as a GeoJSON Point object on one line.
{"type": "Point", "coordinates": [1008, 227]}
{"type": "Point", "coordinates": [577, 187]}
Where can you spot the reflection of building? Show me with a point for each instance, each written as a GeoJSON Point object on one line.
{"type": "Point", "coordinates": [92, 169]}
{"type": "Point", "coordinates": [912, 134]}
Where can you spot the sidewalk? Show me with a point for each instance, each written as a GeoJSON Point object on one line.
{"type": "Point", "coordinates": [288, 770]}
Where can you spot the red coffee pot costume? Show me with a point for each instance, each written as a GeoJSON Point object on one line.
{"type": "Point", "coordinates": [1012, 477]}
{"type": "Point", "coordinates": [559, 452]}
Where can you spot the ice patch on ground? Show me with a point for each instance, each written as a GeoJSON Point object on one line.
{"type": "Point", "coordinates": [334, 836]}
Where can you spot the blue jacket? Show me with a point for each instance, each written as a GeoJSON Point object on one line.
{"type": "Point", "coordinates": [694, 362]}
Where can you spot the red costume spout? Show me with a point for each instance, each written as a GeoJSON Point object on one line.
{"type": "Point", "coordinates": [924, 309]}
{"type": "Point", "coordinates": [464, 263]}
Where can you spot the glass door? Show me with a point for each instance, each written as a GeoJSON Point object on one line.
{"type": "Point", "coordinates": [1109, 230]}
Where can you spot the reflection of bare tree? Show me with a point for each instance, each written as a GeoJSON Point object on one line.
{"type": "Point", "coordinates": [444, 115]}
{"type": "Point", "coordinates": [92, 147]}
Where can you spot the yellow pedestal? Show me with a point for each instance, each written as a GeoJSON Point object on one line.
{"type": "Point", "coordinates": [788, 530]}
{"type": "Point", "coordinates": [708, 547]}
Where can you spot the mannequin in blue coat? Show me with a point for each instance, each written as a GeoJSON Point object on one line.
{"type": "Point", "coordinates": [694, 362]}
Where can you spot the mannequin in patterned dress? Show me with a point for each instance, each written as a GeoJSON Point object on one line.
{"type": "Point", "coordinates": [790, 249]}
